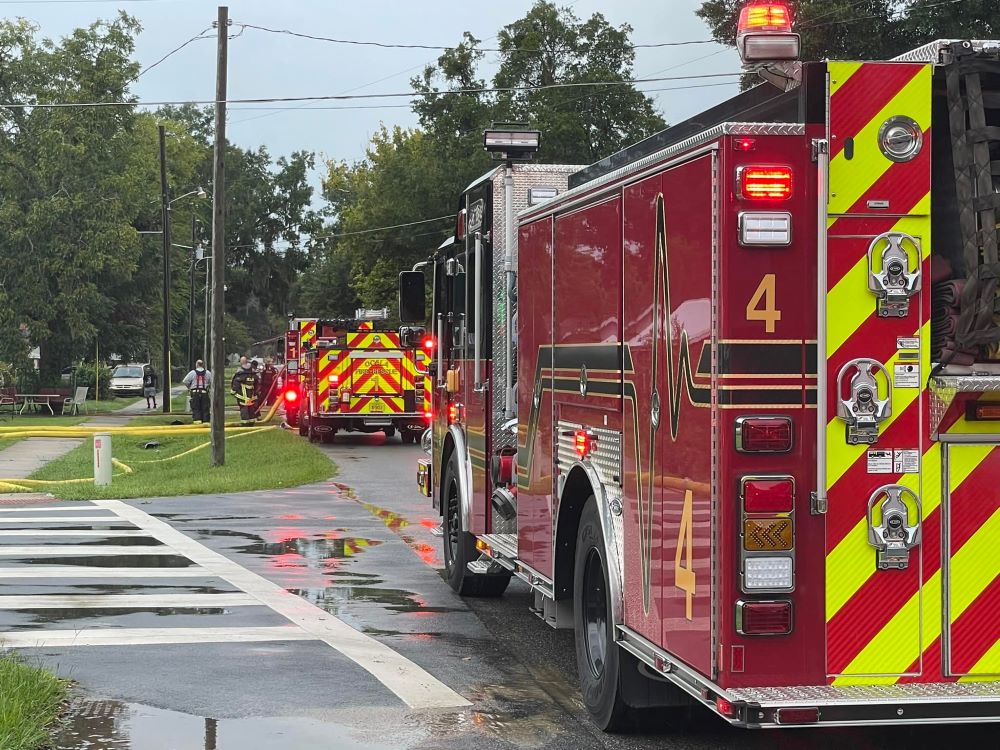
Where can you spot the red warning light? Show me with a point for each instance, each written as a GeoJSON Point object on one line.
{"type": "Point", "coordinates": [429, 344]}
{"type": "Point", "coordinates": [291, 396]}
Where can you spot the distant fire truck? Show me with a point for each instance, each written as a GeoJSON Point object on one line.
{"type": "Point", "coordinates": [356, 376]}
{"type": "Point", "coordinates": [729, 404]}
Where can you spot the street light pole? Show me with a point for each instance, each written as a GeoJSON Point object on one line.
{"type": "Point", "coordinates": [165, 199]}
{"type": "Point", "coordinates": [194, 262]}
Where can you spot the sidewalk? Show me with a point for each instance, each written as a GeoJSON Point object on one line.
{"type": "Point", "coordinates": [25, 457]}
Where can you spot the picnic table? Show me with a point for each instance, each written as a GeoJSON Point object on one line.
{"type": "Point", "coordinates": [39, 400]}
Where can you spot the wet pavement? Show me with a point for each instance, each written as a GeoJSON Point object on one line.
{"type": "Point", "coordinates": [253, 673]}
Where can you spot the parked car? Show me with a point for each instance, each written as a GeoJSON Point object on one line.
{"type": "Point", "coordinates": [126, 380]}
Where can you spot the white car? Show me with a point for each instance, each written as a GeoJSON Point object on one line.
{"type": "Point", "coordinates": [126, 380]}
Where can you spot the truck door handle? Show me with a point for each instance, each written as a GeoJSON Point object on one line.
{"type": "Point", "coordinates": [864, 410]}
{"type": "Point", "coordinates": [895, 536]}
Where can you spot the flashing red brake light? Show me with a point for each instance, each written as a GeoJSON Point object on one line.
{"type": "Point", "coordinates": [429, 344]}
{"type": "Point", "coordinates": [763, 434]}
{"type": "Point", "coordinates": [764, 618]}
{"type": "Point", "coordinates": [768, 494]}
{"type": "Point", "coordinates": [291, 396]}
{"type": "Point", "coordinates": [759, 16]}
{"type": "Point", "coordinates": [429, 416]}
{"type": "Point", "coordinates": [765, 183]}
{"type": "Point", "coordinates": [582, 443]}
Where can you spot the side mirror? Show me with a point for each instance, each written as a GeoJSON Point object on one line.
{"type": "Point", "coordinates": [412, 308]}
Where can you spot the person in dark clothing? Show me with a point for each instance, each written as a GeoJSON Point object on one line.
{"type": "Point", "coordinates": [268, 382]}
{"type": "Point", "coordinates": [150, 382]}
{"type": "Point", "coordinates": [246, 388]}
{"type": "Point", "coordinates": [199, 383]}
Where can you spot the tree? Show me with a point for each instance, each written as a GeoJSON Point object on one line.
{"type": "Point", "coordinates": [867, 30]}
{"type": "Point", "coordinates": [66, 222]}
{"type": "Point", "coordinates": [415, 175]}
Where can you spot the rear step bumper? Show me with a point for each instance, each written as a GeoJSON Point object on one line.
{"type": "Point", "coordinates": [824, 705]}
{"type": "Point", "coordinates": [915, 703]}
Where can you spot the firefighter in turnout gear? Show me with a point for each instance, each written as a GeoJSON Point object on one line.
{"type": "Point", "coordinates": [199, 382]}
{"type": "Point", "coordinates": [246, 389]}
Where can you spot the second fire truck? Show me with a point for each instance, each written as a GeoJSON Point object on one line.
{"type": "Point", "coordinates": [358, 376]}
{"type": "Point", "coordinates": [728, 402]}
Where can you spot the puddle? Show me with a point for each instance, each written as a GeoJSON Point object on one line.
{"type": "Point", "coordinates": [98, 560]}
{"type": "Point", "coordinates": [312, 550]}
{"type": "Point", "coordinates": [40, 616]}
{"type": "Point", "coordinates": [334, 598]}
{"type": "Point", "coordinates": [123, 541]}
{"type": "Point", "coordinates": [112, 725]}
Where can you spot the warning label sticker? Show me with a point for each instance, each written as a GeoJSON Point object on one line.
{"type": "Point", "coordinates": [907, 375]}
{"type": "Point", "coordinates": [906, 462]}
{"type": "Point", "coordinates": [880, 462]}
{"type": "Point", "coordinates": [903, 342]}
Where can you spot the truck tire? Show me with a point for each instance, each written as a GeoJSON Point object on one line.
{"type": "Point", "coordinates": [311, 430]}
{"type": "Point", "coordinates": [460, 546]}
{"type": "Point", "coordinates": [615, 688]}
{"type": "Point", "coordinates": [303, 428]}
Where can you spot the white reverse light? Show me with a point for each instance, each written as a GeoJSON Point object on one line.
{"type": "Point", "coordinates": [768, 574]}
{"type": "Point", "coordinates": [765, 228]}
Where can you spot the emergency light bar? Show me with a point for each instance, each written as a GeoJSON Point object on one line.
{"type": "Point", "coordinates": [363, 314]}
{"type": "Point", "coordinates": [512, 144]}
{"type": "Point", "coordinates": [764, 33]}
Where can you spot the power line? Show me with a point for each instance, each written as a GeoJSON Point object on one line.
{"type": "Point", "coordinates": [348, 97]}
{"type": "Point", "coordinates": [438, 47]}
{"type": "Point", "coordinates": [171, 53]}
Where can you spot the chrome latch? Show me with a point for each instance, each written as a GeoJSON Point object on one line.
{"type": "Point", "coordinates": [864, 411]}
{"type": "Point", "coordinates": [895, 536]}
{"type": "Point", "coordinates": [897, 277]}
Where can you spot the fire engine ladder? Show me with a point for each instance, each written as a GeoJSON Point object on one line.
{"type": "Point", "coordinates": [976, 155]}
{"type": "Point", "coordinates": [974, 143]}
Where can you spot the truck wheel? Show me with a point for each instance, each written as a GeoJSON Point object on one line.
{"type": "Point", "coordinates": [390, 432]}
{"type": "Point", "coordinates": [460, 546]}
{"type": "Point", "coordinates": [311, 430]}
{"type": "Point", "coordinates": [303, 428]}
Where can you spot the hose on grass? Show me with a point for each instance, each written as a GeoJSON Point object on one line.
{"type": "Point", "coordinates": [27, 485]}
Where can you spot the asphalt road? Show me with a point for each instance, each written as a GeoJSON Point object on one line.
{"type": "Point", "coordinates": [217, 653]}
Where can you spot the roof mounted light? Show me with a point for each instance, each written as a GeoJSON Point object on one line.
{"type": "Point", "coordinates": [512, 142]}
{"type": "Point", "coordinates": [764, 33]}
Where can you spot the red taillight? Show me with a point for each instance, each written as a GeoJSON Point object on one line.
{"type": "Point", "coordinates": [768, 495]}
{"type": "Point", "coordinates": [291, 396]}
{"type": "Point", "coordinates": [764, 618]}
{"type": "Point", "coordinates": [429, 344]}
{"type": "Point", "coordinates": [763, 434]}
{"type": "Point", "coordinates": [582, 443]}
{"type": "Point", "coordinates": [429, 416]}
{"type": "Point", "coordinates": [796, 715]}
{"type": "Point", "coordinates": [744, 144]}
{"type": "Point", "coordinates": [764, 17]}
{"type": "Point", "coordinates": [765, 183]}
{"type": "Point", "coordinates": [726, 708]}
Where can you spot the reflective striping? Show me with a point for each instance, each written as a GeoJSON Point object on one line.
{"type": "Point", "coordinates": [127, 601]}
{"type": "Point", "coordinates": [855, 176]}
{"type": "Point", "coordinates": [856, 90]}
{"type": "Point", "coordinates": [50, 509]}
{"type": "Point", "coordinates": [412, 684]}
{"type": "Point", "coordinates": [81, 571]}
{"type": "Point", "coordinates": [852, 562]}
{"type": "Point", "coordinates": [840, 74]}
{"type": "Point", "coordinates": [884, 648]}
{"type": "Point", "coordinates": [148, 636]}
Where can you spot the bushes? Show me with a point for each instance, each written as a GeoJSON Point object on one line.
{"type": "Point", "coordinates": [86, 374]}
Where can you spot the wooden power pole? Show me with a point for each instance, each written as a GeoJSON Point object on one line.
{"type": "Point", "coordinates": [165, 200]}
{"type": "Point", "coordinates": [219, 248]}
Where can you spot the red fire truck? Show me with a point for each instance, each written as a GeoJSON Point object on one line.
{"type": "Point", "coordinates": [752, 451]}
{"type": "Point", "coordinates": [357, 376]}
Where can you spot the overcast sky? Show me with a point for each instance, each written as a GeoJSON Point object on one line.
{"type": "Point", "coordinates": [262, 64]}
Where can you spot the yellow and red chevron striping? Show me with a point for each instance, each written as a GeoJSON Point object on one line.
{"type": "Point", "coordinates": [373, 340]}
{"type": "Point", "coordinates": [863, 90]}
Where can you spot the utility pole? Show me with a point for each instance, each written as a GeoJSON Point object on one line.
{"type": "Point", "coordinates": [207, 329]}
{"type": "Point", "coordinates": [219, 247]}
{"type": "Point", "coordinates": [194, 262]}
{"type": "Point", "coordinates": [165, 200]}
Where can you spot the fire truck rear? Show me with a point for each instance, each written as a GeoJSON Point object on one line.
{"type": "Point", "coordinates": [359, 377]}
{"type": "Point", "coordinates": [753, 447]}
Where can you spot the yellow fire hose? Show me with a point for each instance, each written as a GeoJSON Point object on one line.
{"type": "Point", "coordinates": [27, 485]}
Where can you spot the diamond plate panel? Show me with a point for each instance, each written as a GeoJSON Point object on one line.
{"type": "Point", "coordinates": [831, 694]}
{"type": "Point", "coordinates": [606, 459]}
{"type": "Point", "coordinates": [526, 176]}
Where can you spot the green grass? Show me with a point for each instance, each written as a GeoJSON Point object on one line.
{"type": "Point", "coordinates": [30, 703]}
{"type": "Point", "coordinates": [265, 460]}
{"type": "Point", "coordinates": [113, 404]}
{"type": "Point", "coordinates": [39, 421]}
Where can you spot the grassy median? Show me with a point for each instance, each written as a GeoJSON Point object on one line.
{"type": "Point", "coordinates": [29, 702]}
{"type": "Point", "coordinates": [179, 465]}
